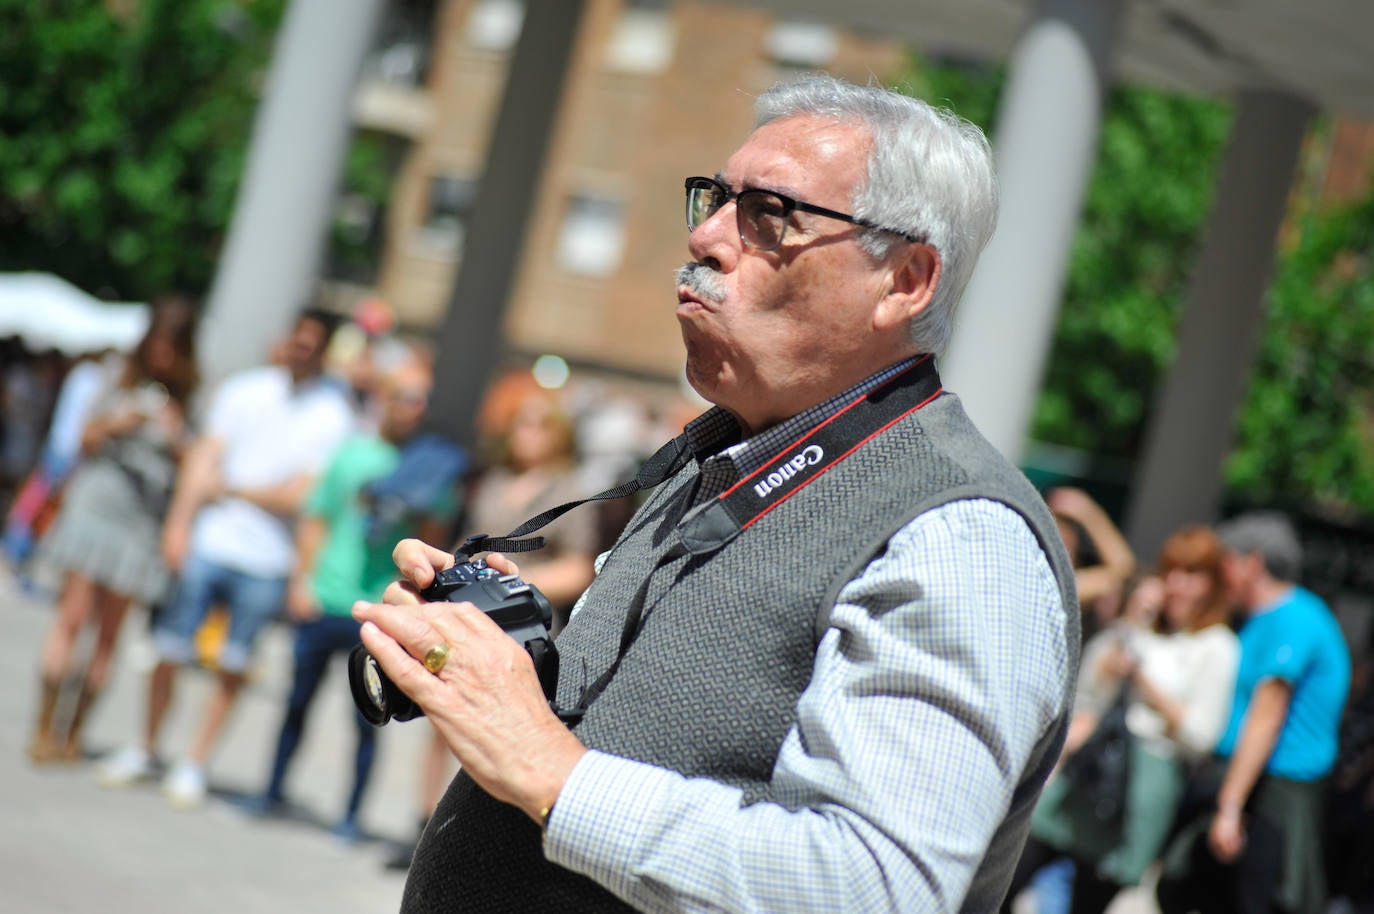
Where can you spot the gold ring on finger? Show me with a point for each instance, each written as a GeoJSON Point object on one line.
{"type": "Point", "coordinates": [436, 657]}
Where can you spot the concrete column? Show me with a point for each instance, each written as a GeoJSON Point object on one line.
{"type": "Point", "coordinates": [470, 339]}
{"type": "Point", "coordinates": [1046, 144]}
{"type": "Point", "coordinates": [1179, 480]}
{"type": "Point", "coordinates": [271, 257]}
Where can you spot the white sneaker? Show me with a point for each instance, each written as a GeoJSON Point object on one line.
{"type": "Point", "coordinates": [124, 767]}
{"type": "Point", "coordinates": [184, 787]}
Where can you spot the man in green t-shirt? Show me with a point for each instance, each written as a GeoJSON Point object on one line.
{"type": "Point", "coordinates": [344, 539]}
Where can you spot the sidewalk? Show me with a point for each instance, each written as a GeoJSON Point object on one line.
{"type": "Point", "coordinates": [69, 845]}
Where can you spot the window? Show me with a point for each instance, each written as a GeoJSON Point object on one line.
{"type": "Point", "coordinates": [592, 238]}
{"type": "Point", "coordinates": [400, 54]}
{"type": "Point", "coordinates": [642, 41]}
{"type": "Point", "coordinates": [494, 25]}
{"type": "Point", "coordinates": [801, 44]}
{"type": "Point", "coordinates": [451, 199]}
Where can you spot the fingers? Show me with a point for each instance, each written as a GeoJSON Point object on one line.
{"type": "Point", "coordinates": [402, 593]}
{"type": "Point", "coordinates": [420, 562]}
{"type": "Point", "coordinates": [399, 637]}
{"type": "Point", "coordinates": [404, 670]}
{"type": "Point", "coordinates": [502, 563]}
{"type": "Point", "coordinates": [403, 624]}
{"type": "Point", "coordinates": [417, 628]}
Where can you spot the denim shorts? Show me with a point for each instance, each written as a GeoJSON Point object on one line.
{"type": "Point", "coordinates": [252, 602]}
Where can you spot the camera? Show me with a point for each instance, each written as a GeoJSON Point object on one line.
{"type": "Point", "coordinates": [519, 608]}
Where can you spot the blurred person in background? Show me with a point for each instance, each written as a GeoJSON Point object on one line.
{"type": "Point", "coordinates": [533, 467]}
{"type": "Point", "coordinates": [1179, 672]}
{"type": "Point", "coordinates": [1141, 601]}
{"type": "Point", "coordinates": [28, 390]}
{"type": "Point", "coordinates": [1255, 842]}
{"type": "Point", "coordinates": [1350, 825]}
{"type": "Point", "coordinates": [344, 540]}
{"type": "Point", "coordinates": [1102, 559]}
{"type": "Point", "coordinates": [36, 503]}
{"type": "Point", "coordinates": [106, 538]}
{"type": "Point", "coordinates": [1103, 563]}
{"type": "Point", "coordinates": [267, 434]}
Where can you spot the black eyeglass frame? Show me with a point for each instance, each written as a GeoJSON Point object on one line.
{"type": "Point", "coordinates": [789, 206]}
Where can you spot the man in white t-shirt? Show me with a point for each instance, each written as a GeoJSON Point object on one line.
{"type": "Point", "coordinates": [228, 533]}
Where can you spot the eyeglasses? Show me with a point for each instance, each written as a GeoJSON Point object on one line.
{"type": "Point", "coordinates": [760, 215]}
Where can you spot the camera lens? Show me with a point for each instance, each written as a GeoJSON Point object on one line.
{"type": "Point", "coordinates": [372, 681]}
{"type": "Point", "coordinates": [376, 696]}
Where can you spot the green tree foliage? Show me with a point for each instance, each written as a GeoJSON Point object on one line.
{"type": "Point", "coordinates": [122, 138]}
{"type": "Point", "coordinates": [1142, 216]}
{"type": "Point", "coordinates": [1306, 431]}
{"type": "Point", "coordinates": [1146, 204]}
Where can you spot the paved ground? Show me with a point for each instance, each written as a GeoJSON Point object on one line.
{"type": "Point", "coordinates": [67, 845]}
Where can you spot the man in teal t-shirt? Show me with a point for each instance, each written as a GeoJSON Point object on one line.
{"type": "Point", "coordinates": [1297, 643]}
{"type": "Point", "coordinates": [1263, 838]}
{"type": "Point", "coordinates": [344, 539]}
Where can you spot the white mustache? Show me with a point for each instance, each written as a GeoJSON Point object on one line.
{"type": "Point", "coordinates": [702, 281]}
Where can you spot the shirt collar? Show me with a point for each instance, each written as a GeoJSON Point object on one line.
{"type": "Point", "coordinates": [717, 433]}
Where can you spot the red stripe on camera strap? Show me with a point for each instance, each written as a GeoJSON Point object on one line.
{"type": "Point", "coordinates": [809, 457]}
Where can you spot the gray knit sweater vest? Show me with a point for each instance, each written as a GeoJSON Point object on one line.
{"type": "Point", "coordinates": [709, 687]}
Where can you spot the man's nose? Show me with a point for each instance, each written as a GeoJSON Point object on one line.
{"type": "Point", "coordinates": [716, 241]}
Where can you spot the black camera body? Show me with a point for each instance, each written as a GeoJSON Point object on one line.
{"type": "Point", "coordinates": [519, 608]}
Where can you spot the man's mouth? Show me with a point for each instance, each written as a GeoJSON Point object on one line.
{"type": "Point", "coordinates": [699, 288]}
{"type": "Point", "coordinates": [688, 301]}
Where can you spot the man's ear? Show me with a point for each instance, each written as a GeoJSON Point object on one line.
{"type": "Point", "coordinates": [915, 274]}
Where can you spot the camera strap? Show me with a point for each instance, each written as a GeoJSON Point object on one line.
{"type": "Point", "coordinates": [807, 458]}
{"type": "Point", "coordinates": [666, 461]}
{"type": "Point", "coordinates": [711, 526]}
{"type": "Point", "coordinates": [778, 479]}
{"type": "Point", "coordinates": [802, 462]}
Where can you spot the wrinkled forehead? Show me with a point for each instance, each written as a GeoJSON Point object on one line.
{"type": "Point", "coordinates": [806, 157]}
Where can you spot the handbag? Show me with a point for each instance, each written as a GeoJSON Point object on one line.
{"type": "Point", "coordinates": [1099, 773]}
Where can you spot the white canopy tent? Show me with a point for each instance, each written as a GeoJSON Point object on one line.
{"type": "Point", "coordinates": [47, 312]}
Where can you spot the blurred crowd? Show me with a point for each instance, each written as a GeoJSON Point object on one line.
{"type": "Point", "coordinates": [273, 497]}
{"type": "Point", "coordinates": [1222, 747]}
{"type": "Point", "coordinates": [1220, 744]}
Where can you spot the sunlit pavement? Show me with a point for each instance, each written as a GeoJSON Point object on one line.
{"type": "Point", "coordinates": [68, 845]}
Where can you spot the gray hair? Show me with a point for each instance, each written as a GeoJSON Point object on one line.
{"type": "Point", "coordinates": [929, 175]}
{"type": "Point", "coordinates": [1270, 534]}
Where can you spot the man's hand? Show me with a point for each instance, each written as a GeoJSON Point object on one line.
{"type": "Point", "coordinates": [486, 702]}
{"type": "Point", "coordinates": [419, 562]}
{"type": "Point", "coordinates": [1227, 834]}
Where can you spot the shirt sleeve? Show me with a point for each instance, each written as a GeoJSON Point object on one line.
{"type": "Point", "coordinates": [1286, 655]}
{"type": "Point", "coordinates": [945, 665]}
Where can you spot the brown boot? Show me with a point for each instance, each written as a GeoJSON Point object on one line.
{"type": "Point", "coordinates": [71, 747]}
{"type": "Point", "coordinates": [44, 747]}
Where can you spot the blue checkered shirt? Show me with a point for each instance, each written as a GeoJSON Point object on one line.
{"type": "Point", "coordinates": [895, 776]}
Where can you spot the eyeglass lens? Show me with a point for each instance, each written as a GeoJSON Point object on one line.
{"type": "Point", "coordinates": [761, 216]}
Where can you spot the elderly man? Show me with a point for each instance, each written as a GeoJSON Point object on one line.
{"type": "Point", "coordinates": [827, 665]}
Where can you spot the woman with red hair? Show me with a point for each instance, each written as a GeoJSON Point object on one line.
{"type": "Point", "coordinates": [1179, 674]}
